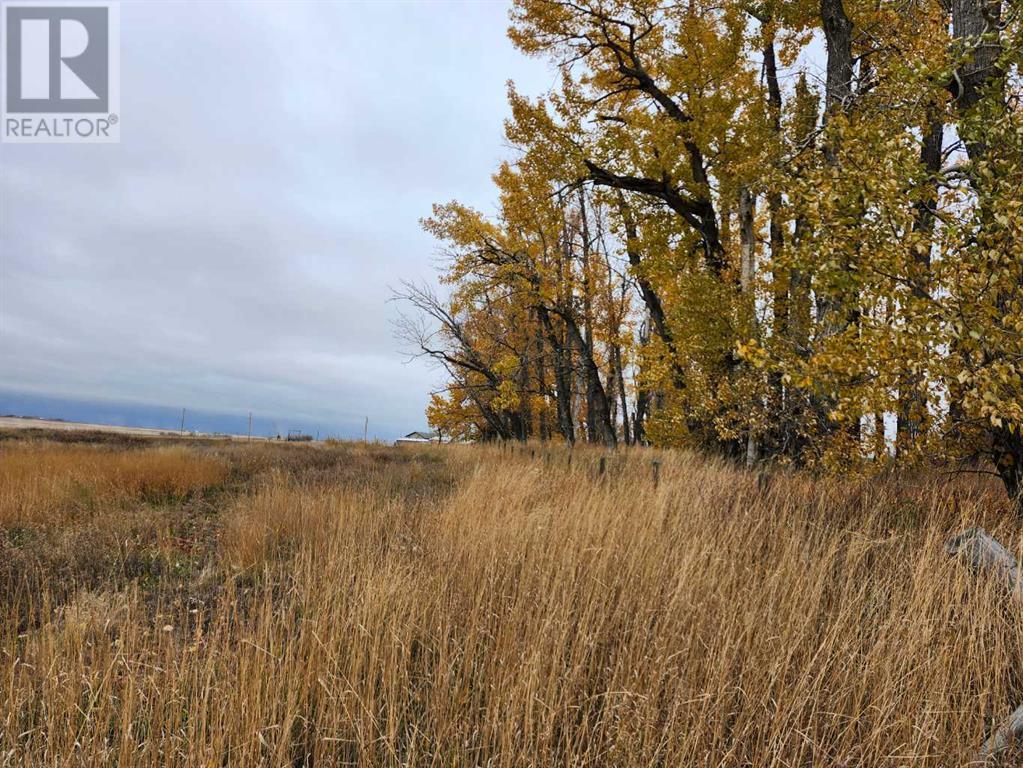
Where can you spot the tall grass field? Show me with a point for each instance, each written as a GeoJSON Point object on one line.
{"type": "Point", "coordinates": [226, 604]}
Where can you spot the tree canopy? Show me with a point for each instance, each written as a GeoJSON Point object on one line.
{"type": "Point", "coordinates": [780, 231]}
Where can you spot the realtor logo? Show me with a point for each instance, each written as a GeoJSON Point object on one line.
{"type": "Point", "coordinates": [62, 80]}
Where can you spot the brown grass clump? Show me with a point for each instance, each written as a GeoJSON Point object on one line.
{"type": "Point", "coordinates": [470, 607]}
{"type": "Point", "coordinates": [49, 483]}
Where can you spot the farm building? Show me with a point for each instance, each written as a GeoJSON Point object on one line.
{"type": "Point", "coordinates": [418, 437]}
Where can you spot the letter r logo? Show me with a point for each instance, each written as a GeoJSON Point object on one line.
{"type": "Point", "coordinates": [57, 59]}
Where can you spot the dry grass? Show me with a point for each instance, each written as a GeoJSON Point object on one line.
{"type": "Point", "coordinates": [46, 483]}
{"type": "Point", "coordinates": [468, 607]}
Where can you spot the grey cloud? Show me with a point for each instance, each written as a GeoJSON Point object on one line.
{"type": "Point", "coordinates": [234, 251]}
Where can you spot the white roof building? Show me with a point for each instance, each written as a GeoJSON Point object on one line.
{"type": "Point", "coordinates": [418, 437]}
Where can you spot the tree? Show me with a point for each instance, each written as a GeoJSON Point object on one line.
{"type": "Point", "coordinates": [755, 267]}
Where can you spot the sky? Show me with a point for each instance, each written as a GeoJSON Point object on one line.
{"type": "Point", "coordinates": [235, 251]}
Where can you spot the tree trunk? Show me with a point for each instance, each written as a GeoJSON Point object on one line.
{"type": "Point", "coordinates": [596, 397]}
{"type": "Point", "coordinates": [976, 29]}
{"type": "Point", "coordinates": [587, 302]}
{"type": "Point", "coordinates": [651, 300]}
{"type": "Point", "coordinates": [836, 309]}
{"type": "Point", "coordinates": [747, 240]}
{"type": "Point", "coordinates": [642, 395]}
{"type": "Point", "coordinates": [838, 38]}
{"type": "Point", "coordinates": [1007, 452]}
{"type": "Point", "coordinates": [543, 424]}
{"type": "Point", "coordinates": [622, 394]}
{"type": "Point", "coordinates": [747, 275]}
{"type": "Point", "coordinates": [912, 393]}
{"type": "Point", "coordinates": [562, 377]}
{"type": "Point", "coordinates": [780, 277]}
{"type": "Point", "coordinates": [833, 315]}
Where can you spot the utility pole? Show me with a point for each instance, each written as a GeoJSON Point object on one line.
{"type": "Point", "coordinates": [182, 421]}
{"type": "Point", "coordinates": [250, 426]}
{"type": "Point", "coordinates": [365, 431]}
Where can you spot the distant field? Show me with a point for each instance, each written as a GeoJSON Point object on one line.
{"type": "Point", "coordinates": [19, 422]}
{"type": "Point", "coordinates": [199, 603]}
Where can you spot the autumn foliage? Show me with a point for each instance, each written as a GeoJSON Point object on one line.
{"type": "Point", "coordinates": [778, 231]}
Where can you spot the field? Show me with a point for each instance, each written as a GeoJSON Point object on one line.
{"type": "Point", "coordinates": [197, 603]}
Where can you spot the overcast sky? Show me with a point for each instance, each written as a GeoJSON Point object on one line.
{"type": "Point", "coordinates": [234, 251]}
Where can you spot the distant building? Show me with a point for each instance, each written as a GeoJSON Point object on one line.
{"type": "Point", "coordinates": [413, 438]}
